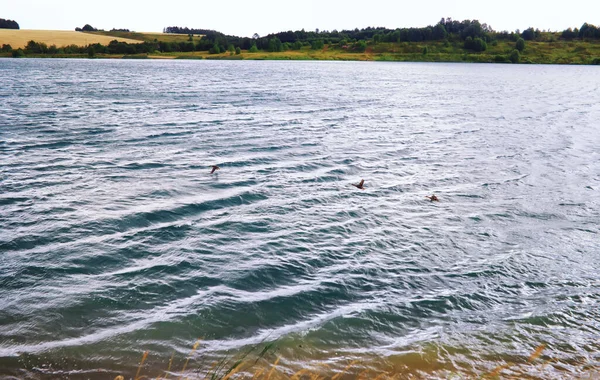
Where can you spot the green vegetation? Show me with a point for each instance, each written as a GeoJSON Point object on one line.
{"type": "Point", "coordinates": [520, 44]}
{"type": "Point", "coordinates": [8, 24]}
{"type": "Point", "coordinates": [447, 41]}
{"type": "Point", "coordinates": [86, 28]}
{"type": "Point", "coordinates": [18, 53]}
{"type": "Point", "coordinates": [476, 44]}
{"type": "Point", "coordinates": [515, 57]}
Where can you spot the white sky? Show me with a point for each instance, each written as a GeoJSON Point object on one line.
{"type": "Point", "coordinates": [246, 17]}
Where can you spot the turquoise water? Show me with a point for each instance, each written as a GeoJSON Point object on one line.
{"type": "Point", "coordinates": [115, 239]}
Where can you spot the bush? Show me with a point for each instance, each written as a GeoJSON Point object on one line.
{"type": "Point", "coordinates": [91, 52]}
{"type": "Point", "coordinates": [500, 59]}
{"type": "Point", "coordinates": [425, 50]}
{"type": "Point", "coordinates": [215, 49]}
{"type": "Point", "coordinates": [253, 49]}
{"type": "Point", "coordinates": [36, 48]}
{"type": "Point", "coordinates": [476, 44]}
{"type": "Point", "coordinates": [596, 61]}
{"type": "Point", "coordinates": [19, 53]}
{"type": "Point", "coordinates": [297, 45]}
{"type": "Point", "coordinates": [317, 45]}
{"type": "Point", "coordinates": [6, 48]}
{"type": "Point", "coordinates": [238, 51]}
{"type": "Point", "coordinates": [520, 44]}
{"type": "Point", "coordinates": [360, 46]}
{"type": "Point", "coordinates": [515, 56]}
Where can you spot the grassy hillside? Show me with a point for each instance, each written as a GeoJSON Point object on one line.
{"type": "Point", "coordinates": [19, 38]}
{"type": "Point", "coordinates": [148, 37]}
{"type": "Point", "coordinates": [556, 52]}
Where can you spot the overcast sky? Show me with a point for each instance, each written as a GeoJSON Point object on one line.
{"type": "Point", "coordinates": [246, 17]}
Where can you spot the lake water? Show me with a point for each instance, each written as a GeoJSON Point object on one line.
{"type": "Point", "coordinates": [115, 239]}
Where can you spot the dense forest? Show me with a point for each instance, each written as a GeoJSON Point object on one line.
{"type": "Point", "coordinates": [8, 24]}
{"type": "Point", "coordinates": [472, 33]}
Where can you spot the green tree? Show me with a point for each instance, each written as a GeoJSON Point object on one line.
{"type": "Point", "coordinates": [515, 56]}
{"type": "Point", "coordinates": [6, 48]}
{"type": "Point", "coordinates": [230, 48]}
{"type": "Point", "coordinates": [91, 52]}
{"type": "Point", "coordinates": [425, 50]}
{"type": "Point", "coordinates": [297, 45]}
{"type": "Point", "coordinates": [275, 45]}
{"type": "Point", "coordinates": [8, 24]}
{"type": "Point", "coordinates": [439, 32]}
{"type": "Point", "coordinates": [19, 53]}
{"type": "Point", "coordinates": [317, 44]}
{"type": "Point", "coordinates": [253, 48]}
{"type": "Point", "coordinates": [215, 49]}
{"type": "Point", "coordinates": [238, 51]}
{"type": "Point", "coordinates": [520, 44]}
{"type": "Point", "coordinates": [476, 44]}
{"type": "Point", "coordinates": [360, 46]}
{"type": "Point", "coordinates": [88, 28]}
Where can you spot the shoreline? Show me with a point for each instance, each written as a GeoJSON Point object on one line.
{"type": "Point", "coordinates": [292, 363]}
{"type": "Point", "coordinates": [275, 57]}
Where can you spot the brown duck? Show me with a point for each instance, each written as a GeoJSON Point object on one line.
{"type": "Point", "coordinates": [432, 198]}
{"type": "Point", "coordinates": [214, 169]}
{"type": "Point", "coordinates": [359, 185]}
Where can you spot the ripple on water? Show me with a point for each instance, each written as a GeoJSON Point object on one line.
{"type": "Point", "coordinates": [116, 239]}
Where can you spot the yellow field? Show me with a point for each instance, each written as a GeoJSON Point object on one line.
{"type": "Point", "coordinates": [19, 38]}
{"type": "Point", "coordinates": [150, 37]}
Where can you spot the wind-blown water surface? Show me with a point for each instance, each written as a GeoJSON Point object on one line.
{"type": "Point", "coordinates": [115, 239]}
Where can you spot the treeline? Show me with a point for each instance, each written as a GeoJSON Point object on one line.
{"type": "Point", "coordinates": [475, 36]}
{"type": "Point", "coordinates": [114, 47]}
{"type": "Point", "coordinates": [186, 30]}
{"type": "Point", "coordinates": [588, 31]}
{"type": "Point", "coordinates": [8, 24]}
{"type": "Point", "coordinates": [87, 28]}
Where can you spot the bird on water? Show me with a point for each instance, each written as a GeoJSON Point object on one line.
{"type": "Point", "coordinates": [359, 185]}
{"type": "Point", "coordinates": [432, 198]}
{"type": "Point", "coordinates": [214, 169]}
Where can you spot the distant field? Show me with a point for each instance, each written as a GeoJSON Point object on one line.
{"type": "Point", "coordinates": [19, 38]}
{"type": "Point", "coordinates": [149, 37]}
